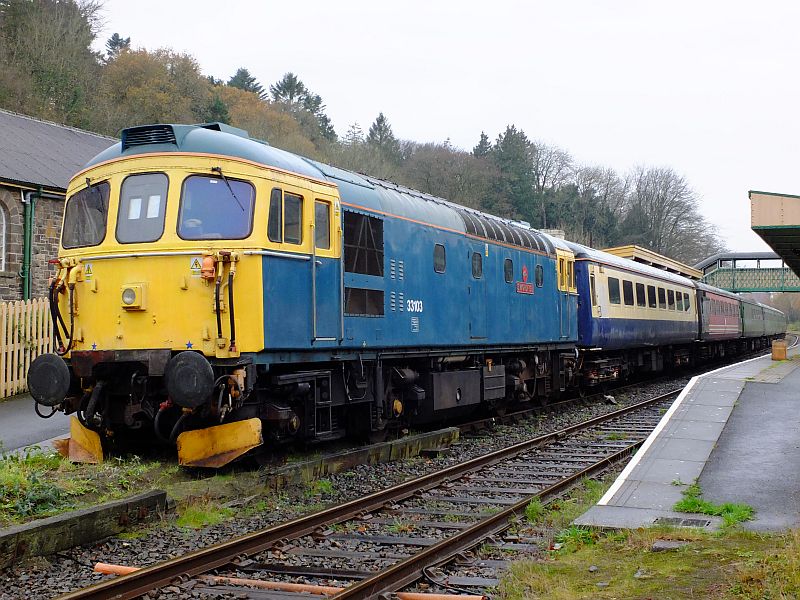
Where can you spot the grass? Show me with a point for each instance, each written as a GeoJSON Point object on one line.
{"type": "Point", "coordinates": [319, 487]}
{"type": "Point", "coordinates": [202, 513]}
{"type": "Point", "coordinates": [38, 483]}
{"type": "Point", "coordinates": [731, 513]}
{"type": "Point", "coordinates": [732, 564]}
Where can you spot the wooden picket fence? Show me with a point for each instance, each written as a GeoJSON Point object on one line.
{"type": "Point", "coordinates": [26, 331]}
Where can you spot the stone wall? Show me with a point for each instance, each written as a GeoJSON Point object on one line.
{"type": "Point", "coordinates": [46, 232]}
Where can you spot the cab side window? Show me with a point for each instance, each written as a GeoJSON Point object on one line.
{"type": "Point", "coordinates": [275, 224]}
{"type": "Point", "coordinates": [322, 225]}
{"type": "Point", "coordinates": [292, 218]}
{"type": "Point", "coordinates": [285, 222]}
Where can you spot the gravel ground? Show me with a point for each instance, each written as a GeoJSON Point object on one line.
{"type": "Point", "coordinates": [46, 578]}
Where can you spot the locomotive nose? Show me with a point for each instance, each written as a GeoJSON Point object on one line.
{"type": "Point", "coordinates": [189, 378]}
{"type": "Point", "coordinates": [48, 379]}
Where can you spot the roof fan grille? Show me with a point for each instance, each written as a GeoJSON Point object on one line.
{"type": "Point", "coordinates": [143, 136]}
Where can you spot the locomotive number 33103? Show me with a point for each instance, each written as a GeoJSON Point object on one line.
{"type": "Point", "coordinates": [414, 306]}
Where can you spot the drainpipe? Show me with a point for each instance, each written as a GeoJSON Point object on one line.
{"type": "Point", "coordinates": [29, 206]}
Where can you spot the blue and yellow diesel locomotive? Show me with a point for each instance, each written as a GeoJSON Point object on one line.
{"type": "Point", "coordinates": [219, 293]}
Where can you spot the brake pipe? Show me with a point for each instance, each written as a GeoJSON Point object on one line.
{"type": "Point", "coordinates": [231, 273]}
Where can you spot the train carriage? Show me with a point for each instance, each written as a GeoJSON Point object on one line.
{"type": "Point", "coordinates": [720, 314]}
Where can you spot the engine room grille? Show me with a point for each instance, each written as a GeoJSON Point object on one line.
{"type": "Point", "coordinates": [150, 134]}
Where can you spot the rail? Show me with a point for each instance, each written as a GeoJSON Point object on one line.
{"type": "Point", "coordinates": [143, 580]}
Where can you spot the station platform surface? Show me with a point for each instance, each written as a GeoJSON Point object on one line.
{"type": "Point", "coordinates": [736, 431]}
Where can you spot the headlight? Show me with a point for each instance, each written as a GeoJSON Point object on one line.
{"type": "Point", "coordinates": [128, 296]}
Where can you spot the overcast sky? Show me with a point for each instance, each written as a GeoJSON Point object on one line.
{"type": "Point", "coordinates": [707, 88]}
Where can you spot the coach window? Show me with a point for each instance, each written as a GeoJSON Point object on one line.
{"type": "Point", "coordinates": [640, 299]}
{"type": "Point", "coordinates": [477, 265]}
{"type": "Point", "coordinates": [627, 292]}
{"type": "Point", "coordinates": [613, 290]}
{"type": "Point", "coordinates": [141, 208]}
{"type": "Point", "coordinates": [662, 298]}
{"type": "Point", "coordinates": [275, 224]}
{"type": "Point", "coordinates": [292, 218]}
{"type": "Point", "coordinates": [322, 225]}
{"type": "Point", "coordinates": [539, 276]}
{"type": "Point", "coordinates": [651, 296]}
{"type": "Point", "coordinates": [671, 299]}
{"type": "Point", "coordinates": [439, 258]}
{"type": "Point", "coordinates": [686, 302]}
{"type": "Point", "coordinates": [592, 290]}
{"type": "Point", "coordinates": [679, 301]}
{"type": "Point", "coordinates": [508, 270]}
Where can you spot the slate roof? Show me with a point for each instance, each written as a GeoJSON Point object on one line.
{"type": "Point", "coordinates": [42, 153]}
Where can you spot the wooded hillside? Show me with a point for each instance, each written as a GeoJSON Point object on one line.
{"type": "Point", "coordinates": [49, 70]}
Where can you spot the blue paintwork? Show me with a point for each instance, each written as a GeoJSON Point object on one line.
{"type": "Point", "coordinates": [458, 312]}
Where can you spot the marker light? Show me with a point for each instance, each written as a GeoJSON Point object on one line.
{"type": "Point", "coordinates": [128, 296]}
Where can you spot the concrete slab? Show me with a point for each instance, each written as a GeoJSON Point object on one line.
{"type": "Point", "coordinates": [757, 459]}
{"type": "Point", "coordinates": [737, 437]}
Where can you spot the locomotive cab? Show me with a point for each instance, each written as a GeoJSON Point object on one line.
{"type": "Point", "coordinates": [158, 300]}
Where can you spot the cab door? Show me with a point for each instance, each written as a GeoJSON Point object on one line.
{"type": "Point", "coordinates": [326, 273]}
{"type": "Point", "coordinates": [567, 294]}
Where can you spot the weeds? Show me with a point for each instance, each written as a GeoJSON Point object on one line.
{"type": "Point", "coordinates": [319, 487]}
{"type": "Point", "coordinates": [202, 514]}
{"type": "Point", "coordinates": [535, 510]}
{"type": "Point", "coordinates": [574, 538]}
{"type": "Point", "coordinates": [731, 513]}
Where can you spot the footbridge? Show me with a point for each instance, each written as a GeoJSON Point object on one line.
{"type": "Point", "coordinates": [749, 272]}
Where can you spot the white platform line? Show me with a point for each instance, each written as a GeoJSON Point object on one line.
{"type": "Point", "coordinates": [661, 424]}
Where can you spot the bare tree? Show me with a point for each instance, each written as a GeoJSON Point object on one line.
{"type": "Point", "coordinates": [552, 168]}
{"type": "Point", "coordinates": [662, 215]}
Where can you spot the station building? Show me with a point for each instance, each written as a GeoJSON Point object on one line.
{"type": "Point", "coordinates": [37, 160]}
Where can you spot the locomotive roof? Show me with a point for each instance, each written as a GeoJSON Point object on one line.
{"type": "Point", "coordinates": [356, 190]}
{"type": "Point", "coordinates": [613, 260]}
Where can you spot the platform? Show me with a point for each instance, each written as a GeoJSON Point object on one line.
{"type": "Point", "coordinates": [737, 431]}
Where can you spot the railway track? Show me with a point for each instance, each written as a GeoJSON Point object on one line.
{"type": "Point", "coordinates": [385, 541]}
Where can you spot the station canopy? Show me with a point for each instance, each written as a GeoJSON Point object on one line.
{"type": "Point", "coordinates": [648, 257]}
{"type": "Point", "coordinates": [776, 219]}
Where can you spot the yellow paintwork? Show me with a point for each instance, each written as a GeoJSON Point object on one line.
{"type": "Point", "coordinates": [82, 446]}
{"type": "Point", "coordinates": [177, 303]}
{"type": "Point", "coordinates": [566, 271]}
{"type": "Point", "coordinates": [218, 445]}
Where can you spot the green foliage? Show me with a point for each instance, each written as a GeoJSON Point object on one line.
{"type": "Point", "coordinates": [731, 513]}
{"type": "Point", "coordinates": [574, 538]}
{"type": "Point", "coordinates": [244, 81]}
{"type": "Point", "coordinates": [535, 510]}
{"type": "Point", "coordinates": [116, 44]}
{"type": "Point", "coordinates": [319, 487]}
{"type": "Point", "coordinates": [24, 488]}
{"type": "Point", "coordinates": [202, 514]}
{"type": "Point", "coordinates": [49, 70]}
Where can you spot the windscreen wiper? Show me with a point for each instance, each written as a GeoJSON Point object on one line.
{"type": "Point", "coordinates": [225, 179]}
